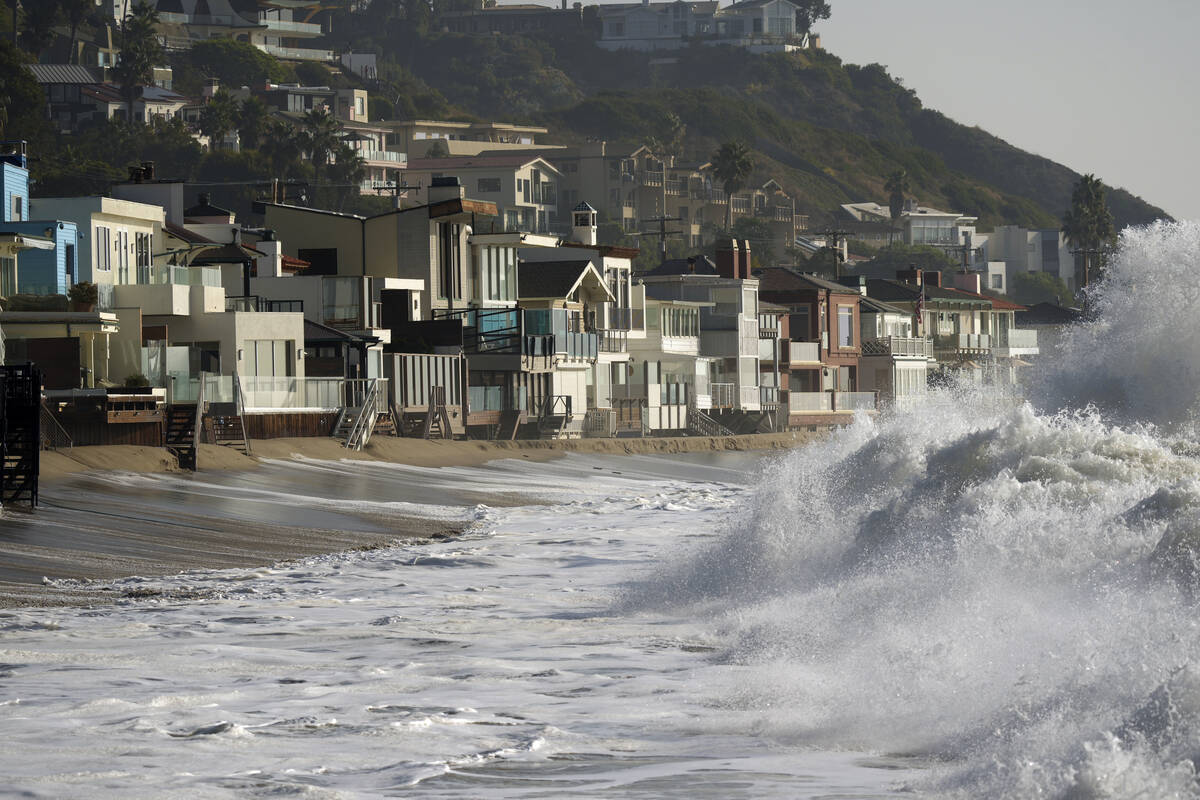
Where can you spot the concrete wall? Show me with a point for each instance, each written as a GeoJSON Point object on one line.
{"type": "Point", "coordinates": [302, 229]}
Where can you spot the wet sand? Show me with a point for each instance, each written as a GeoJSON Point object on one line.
{"type": "Point", "coordinates": [99, 522]}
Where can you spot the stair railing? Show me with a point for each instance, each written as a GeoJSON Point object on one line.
{"type": "Point", "coordinates": [54, 435]}
{"type": "Point", "coordinates": [239, 397]}
{"type": "Point", "coordinates": [364, 422]}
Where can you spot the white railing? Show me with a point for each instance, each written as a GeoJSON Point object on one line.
{"type": "Point", "coordinates": [296, 53]}
{"type": "Point", "coordinates": [204, 276]}
{"type": "Point", "coordinates": [264, 392]}
{"type": "Point", "coordinates": [899, 346]}
{"type": "Point", "coordinates": [962, 341]}
{"type": "Point", "coordinates": [768, 395]}
{"type": "Point", "coordinates": [1018, 338]}
{"type": "Point", "coordinates": [722, 394]}
{"type": "Point", "coordinates": [804, 352]}
{"type": "Point", "coordinates": [383, 155]}
{"type": "Point", "coordinates": [289, 26]}
{"type": "Point", "coordinates": [854, 401]}
{"type": "Point", "coordinates": [810, 402]}
{"type": "Point", "coordinates": [374, 403]}
{"type": "Point", "coordinates": [748, 397]}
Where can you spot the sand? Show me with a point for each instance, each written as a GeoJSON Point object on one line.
{"type": "Point", "coordinates": [84, 537]}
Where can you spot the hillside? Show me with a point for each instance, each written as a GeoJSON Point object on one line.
{"type": "Point", "coordinates": [830, 132]}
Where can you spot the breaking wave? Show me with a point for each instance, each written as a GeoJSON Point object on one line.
{"type": "Point", "coordinates": [1004, 588]}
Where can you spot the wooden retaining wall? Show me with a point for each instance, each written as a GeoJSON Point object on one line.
{"type": "Point", "coordinates": [279, 426]}
{"type": "Point", "coordinates": [93, 428]}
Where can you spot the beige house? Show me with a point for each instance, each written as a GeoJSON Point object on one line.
{"type": "Point", "coordinates": [524, 188]}
{"type": "Point", "coordinates": [416, 137]}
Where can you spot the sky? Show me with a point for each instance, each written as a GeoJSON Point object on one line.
{"type": "Point", "coordinates": [1101, 86]}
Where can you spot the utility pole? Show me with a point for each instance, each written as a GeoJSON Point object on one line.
{"type": "Point", "coordinates": [833, 241]}
{"type": "Point", "coordinates": [662, 233]}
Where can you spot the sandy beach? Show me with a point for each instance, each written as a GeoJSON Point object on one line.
{"type": "Point", "coordinates": [90, 531]}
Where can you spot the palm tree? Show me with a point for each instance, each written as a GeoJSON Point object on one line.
{"type": "Point", "coordinates": [218, 117]}
{"type": "Point", "coordinates": [319, 138]}
{"type": "Point", "coordinates": [140, 52]}
{"type": "Point", "coordinates": [897, 186]}
{"type": "Point", "coordinates": [732, 164]}
{"type": "Point", "coordinates": [252, 122]}
{"type": "Point", "coordinates": [281, 146]}
{"type": "Point", "coordinates": [75, 12]}
{"type": "Point", "coordinates": [1088, 225]}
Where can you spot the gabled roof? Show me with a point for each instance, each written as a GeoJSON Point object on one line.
{"type": "Point", "coordinates": [785, 279]}
{"type": "Point", "coordinates": [477, 162]}
{"type": "Point", "coordinates": [870, 305]}
{"type": "Point", "coordinates": [555, 280]}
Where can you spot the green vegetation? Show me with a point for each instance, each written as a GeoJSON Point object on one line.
{"type": "Point", "coordinates": [1028, 288]}
{"type": "Point", "coordinates": [902, 256]}
{"type": "Point", "coordinates": [1088, 225]}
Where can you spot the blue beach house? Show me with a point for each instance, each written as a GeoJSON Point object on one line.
{"type": "Point", "coordinates": [43, 269]}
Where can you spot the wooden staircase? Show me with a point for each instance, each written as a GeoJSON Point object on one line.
{"type": "Point", "coordinates": [510, 421]}
{"type": "Point", "coordinates": [702, 424]}
{"type": "Point", "coordinates": [228, 430]}
{"type": "Point", "coordinates": [179, 433]}
{"type": "Point", "coordinates": [20, 435]}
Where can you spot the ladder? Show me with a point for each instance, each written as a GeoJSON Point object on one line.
{"type": "Point", "coordinates": [357, 424]}
{"type": "Point", "coordinates": [437, 420]}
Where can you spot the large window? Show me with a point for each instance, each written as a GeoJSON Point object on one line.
{"type": "Point", "coordinates": [498, 272]}
{"type": "Point", "coordinates": [680, 321]}
{"type": "Point", "coordinates": [845, 319]}
{"type": "Point", "coordinates": [341, 302]}
{"type": "Point", "coordinates": [269, 357]}
{"type": "Point", "coordinates": [449, 273]}
{"type": "Point", "coordinates": [491, 185]}
{"type": "Point", "coordinates": [8, 276]}
{"type": "Point", "coordinates": [142, 250]}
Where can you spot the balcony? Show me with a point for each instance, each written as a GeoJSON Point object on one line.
{"type": "Point", "coordinates": [1016, 342]}
{"type": "Point", "coordinates": [383, 156]}
{"type": "Point", "coordinates": [613, 341]}
{"type": "Point", "coordinates": [651, 177]}
{"type": "Point", "coordinates": [768, 396]}
{"type": "Point", "coordinates": [963, 343]}
{"type": "Point", "coordinates": [918, 347]}
{"type": "Point", "coordinates": [676, 188]}
{"type": "Point", "coordinates": [741, 205]}
{"type": "Point", "coordinates": [253, 303]}
{"type": "Point", "coordinates": [830, 402]}
{"type": "Point", "coordinates": [296, 53]}
{"type": "Point", "coordinates": [289, 28]}
{"type": "Point", "coordinates": [723, 395]}
{"type": "Point", "coordinates": [803, 352]}
{"type": "Point", "coordinates": [496, 398]}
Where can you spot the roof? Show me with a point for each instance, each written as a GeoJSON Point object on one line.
{"type": "Point", "coordinates": [785, 279]}
{"type": "Point", "coordinates": [65, 73]}
{"type": "Point", "coordinates": [606, 250]}
{"type": "Point", "coordinates": [206, 209]}
{"type": "Point", "coordinates": [746, 5]}
{"type": "Point", "coordinates": [694, 265]}
{"type": "Point", "coordinates": [554, 279]}
{"type": "Point", "coordinates": [226, 254]}
{"type": "Point", "coordinates": [870, 304]}
{"type": "Point", "coordinates": [1049, 314]}
{"type": "Point", "coordinates": [476, 162]}
{"type": "Point", "coordinates": [702, 7]}
{"type": "Point", "coordinates": [180, 232]}
{"type": "Point", "coordinates": [316, 332]}
{"type": "Point", "coordinates": [998, 303]}
{"type": "Point", "coordinates": [583, 206]}
{"type": "Point", "coordinates": [901, 292]}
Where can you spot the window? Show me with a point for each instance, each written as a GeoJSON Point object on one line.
{"type": "Point", "coordinates": [341, 302]}
{"type": "Point", "coordinates": [524, 189]}
{"type": "Point", "coordinates": [8, 276]}
{"type": "Point", "coordinates": [102, 245]}
{"type": "Point", "coordinates": [845, 318]}
{"type": "Point", "coordinates": [616, 28]}
{"type": "Point", "coordinates": [489, 185]}
{"type": "Point", "coordinates": [449, 274]}
{"type": "Point", "coordinates": [142, 253]}
{"type": "Point", "coordinates": [18, 208]}
{"type": "Point", "coordinates": [269, 357]}
{"type": "Point", "coordinates": [997, 281]}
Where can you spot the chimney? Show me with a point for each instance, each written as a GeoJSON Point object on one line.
{"type": "Point", "coordinates": [967, 281]}
{"type": "Point", "coordinates": [445, 188]}
{"type": "Point", "coordinates": [727, 258]}
{"type": "Point", "coordinates": [932, 278]}
{"type": "Point", "coordinates": [910, 275]}
{"type": "Point", "coordinates": [747, 262]}
{"type": "Point", "coordinates": [270, 263]}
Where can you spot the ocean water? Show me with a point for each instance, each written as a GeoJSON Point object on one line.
{"type": "Point", "coordinates": [994, 596]}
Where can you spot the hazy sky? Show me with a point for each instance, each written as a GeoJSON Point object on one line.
{"type": "Point", "coordinates": [1101, 86]}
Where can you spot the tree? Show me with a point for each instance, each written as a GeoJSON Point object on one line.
{"type": "Point", "coordinates": [1088, 225]}
{"type": "Point", "coordinates": [235, 64]}
{"type": "Point", "coordinates": [439, 149]}
{"type": "Point", "coordinates": [75, 11]}
{"type": "Point", "coordinates": [897, 186]}
{"type": "Point", "coordinates": [218, 117]}
{"type": "Point", "coordinates": [319, 137]}
{"type": "Point", "coordinates": [282, 148]}
{"type": "Point", "coordinates": [808, 12]}
{"type": "Point", "coordinates": [1039, 287]}
{"type": "Point", "coordinates": [902, 256]}
{"type": "Point", "coordinates": [40, 19]}
{"type": "Point", "coordinates": [252, 122]}
{"type": "Point", "coordinates": [140, 52]}
{"type": "Point", "coordinates": [732, 164]}
{"type": "Point", "coordinates": [22, 101]}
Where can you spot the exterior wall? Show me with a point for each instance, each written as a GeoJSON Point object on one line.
{"type": "Point", "coordinates": [14, 182]}
{"type": "Point", "coordinates": [167, 195]}
{"type": "Point", "coordinates": [231, 330]}
{"type": "Point", "coordinates": [119, 217]}
{"type": "Point", "coordinates": [303, 229]}
{"type": "Point", "coordinates": [47, 271]}
{"type": "Point", "coordinates": [125, 346]}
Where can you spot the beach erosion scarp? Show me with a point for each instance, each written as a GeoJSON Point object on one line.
{"type": "Point", "coordinates": [111, 512]}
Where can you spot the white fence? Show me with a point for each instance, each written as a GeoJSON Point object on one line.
{"type": "Point", "coordinates": [263, 393]}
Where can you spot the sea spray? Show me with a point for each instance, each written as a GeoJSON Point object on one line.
{"type": "Point", "coordinates": [1006, 588]}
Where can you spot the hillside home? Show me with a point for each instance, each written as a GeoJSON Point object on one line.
{"type": "Point", "coordinates": [278, 29]}
{"type": "Point", "coordinates": [1024, 250]}
{"type": "Point", "coordinates": [522, 18]}
{"type": "Point", "coordinates": [895, 363]}
{"type": "Point", "coordinates": [415, 137]}
{"type": "Point", "coordinates": [761, 26]}
{"type": "Point", "coordinates": [524, 188]}
{"type": "Point", "coordinates": [917, 225]}
{"type": "Point", "coordinates": [44, 269]}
